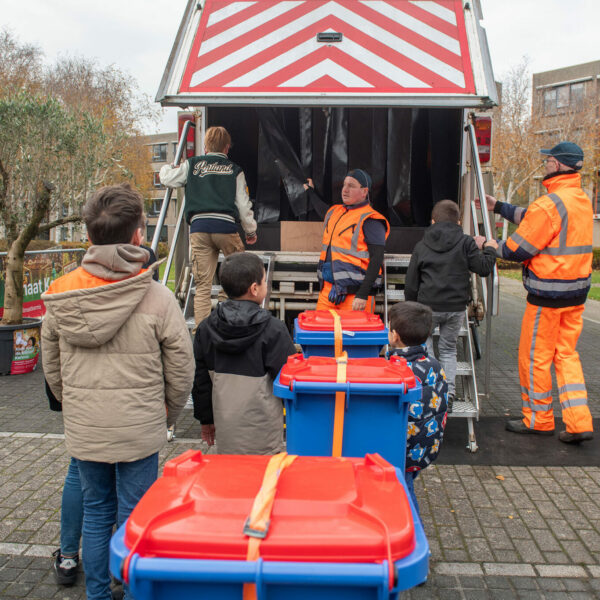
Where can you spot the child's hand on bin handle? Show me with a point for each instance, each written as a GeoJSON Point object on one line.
{"type": "Point", "coordinates": [208, 434]}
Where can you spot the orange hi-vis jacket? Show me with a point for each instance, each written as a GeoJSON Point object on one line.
{"type": "Point", "coordinates": [554, 242]}
{"type": "Point", "coordinates": [344, 234]}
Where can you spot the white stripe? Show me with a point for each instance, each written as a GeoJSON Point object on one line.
{"type": "Point", "coordinates": [228, 11]}
{"type": "Point", "coordinates": [351, 48]}
{"type": "Point", "coordinates": [331, 8]}
{"type": "Point", "coordinates": [428, 32]}
{"type": "Point", "coordinates": [245, 26]}
{"type": "Point", "coordinates": [436, 9]}
{"type": "Point", "coordinates": [326, 67]}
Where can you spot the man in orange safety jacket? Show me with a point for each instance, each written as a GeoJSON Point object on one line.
{"type": "Point", "coordinates": [554, 243]}
{"type": "Point", "coordinates": [352, 251]}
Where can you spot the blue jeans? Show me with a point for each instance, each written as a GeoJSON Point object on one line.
{"type": "Point", "coordinates": [450, 324]}
{"type": "Point", "coordinates": [409, 477]}
{"type": "Point", "coordinates": [71, 512]}
{"type": "Point", "coordinates": [110, 492]}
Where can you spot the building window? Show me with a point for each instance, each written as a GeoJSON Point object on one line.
{"type": "Point", "coordinates": [550, 101]}
{"type": "Point", "coordinates": [174, 149]}
{"type": "Point", "coordinates": [150, 229]}
{"type": "Point", "coordinates": [155, 206]}
{"type": "Point", "coordinates": [156, 180]}
{"type": "Point", "coordinates": [64, 234]}
{"type": "Point", "coordinates": [159, 152]}
{"type": "Point", "coordinates": [562, 96]}
{"type": "Point", "coordinates": [577, 92]}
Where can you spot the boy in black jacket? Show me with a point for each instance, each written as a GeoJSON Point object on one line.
{"type": "Point", "coordinates": [439, 276]}
{"type": "Point", "coordinates": [239, 350]}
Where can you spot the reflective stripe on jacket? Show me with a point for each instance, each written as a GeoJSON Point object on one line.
{"type": "Point", "coordinates": [349, 253]}
{"type": "Point", "coordinates": [554, 241]}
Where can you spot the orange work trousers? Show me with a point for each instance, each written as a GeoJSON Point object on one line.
{"type": "Point", "coordinates": [323, 302]}
{"type": "Point", "coordinates": [549, 336]}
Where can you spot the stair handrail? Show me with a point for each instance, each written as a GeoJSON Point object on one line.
{"type": "Point", "coordinates": [169, 191]}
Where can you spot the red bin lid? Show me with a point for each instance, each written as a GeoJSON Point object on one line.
{"type": "Point", "coordinates": [352, 320]}
{"type": "Point", "coordinates": [323, 369]}
{"type": "Point", "coordinates": [326, 510]}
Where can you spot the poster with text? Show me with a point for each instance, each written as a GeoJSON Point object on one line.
{"type": "Point", "coordinates": [26, 350]}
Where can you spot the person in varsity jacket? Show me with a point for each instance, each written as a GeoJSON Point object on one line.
{"type": "Point", "coordinates": [216, 196]}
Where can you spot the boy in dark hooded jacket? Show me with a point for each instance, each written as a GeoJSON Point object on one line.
{"type": "Point", "coordinates": [439, 277]}
{"type": "Point", "coordinates": [239, 350]}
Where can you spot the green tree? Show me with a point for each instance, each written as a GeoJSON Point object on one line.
{"type": "Point", "coordinates": [65, 130]}
{"type": "Point", "coordinates": [37, 133]}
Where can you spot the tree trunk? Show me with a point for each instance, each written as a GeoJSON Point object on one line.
{"type": "Point", "coordinates": [13, 289]}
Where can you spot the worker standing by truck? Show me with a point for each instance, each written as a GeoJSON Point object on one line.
{"type": "Point", "coordinates": [216, 196]}
{"type": "Point", "coordinates": [554, 243]}
{"type": "Point", "coordinates": [353, 246]}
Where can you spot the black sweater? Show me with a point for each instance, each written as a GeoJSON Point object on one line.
{"type": "Point", "coordinates": [440, 266]}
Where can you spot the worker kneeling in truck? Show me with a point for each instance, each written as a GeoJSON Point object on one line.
{"type": "Point", "coordinates": [352, 251]}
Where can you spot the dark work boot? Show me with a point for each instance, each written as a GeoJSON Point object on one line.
{"type": "Point", "coordinates": [517, 426]}
{"type": "Point", "coordinates": [575, 438]}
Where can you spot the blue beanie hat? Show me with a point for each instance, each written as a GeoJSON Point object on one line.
{"type": "Point", "coordinates": [361, 176]}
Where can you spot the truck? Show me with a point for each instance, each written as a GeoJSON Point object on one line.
{"type": "Point", "coordinates": [312, 88]}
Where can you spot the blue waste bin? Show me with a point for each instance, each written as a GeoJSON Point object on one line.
{"type": "Point", "coordinates": [378, 394]}
{"type": "Point", "coordinates": [363, 334]}
{"type": "Point", "coordinates": [185, 539]}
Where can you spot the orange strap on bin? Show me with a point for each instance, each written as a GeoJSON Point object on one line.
{"type": "Point", "coordinates": [257, 524]}
{"type": "Point", "coordinates": [340, 397]}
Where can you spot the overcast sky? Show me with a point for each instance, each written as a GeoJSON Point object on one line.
{"type": "Point", "coordinates": [137, 35]}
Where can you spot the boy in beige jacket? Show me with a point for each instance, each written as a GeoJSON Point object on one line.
{"type": "Point", "coordinates": [115, 350]}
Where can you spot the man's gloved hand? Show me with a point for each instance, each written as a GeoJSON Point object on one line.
{"type": "Point", "coordinates": [336, 298]}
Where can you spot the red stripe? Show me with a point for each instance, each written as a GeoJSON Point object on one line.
{"type": "Point", "coordinates": [438, 83]}
{"type": "Point", "coordinates": [239, 17]}
{"type": "Point", "coordinates": [413, 38]}
{"type": "Point", "coordinates": [353, 34]}
{"type": "Point", "coordinates": [356, 67]}
{"type": "Point", "coordinates": [436, 22]}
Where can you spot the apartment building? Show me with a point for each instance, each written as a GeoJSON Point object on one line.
{"type": "Point", "coordinates": [566, 107]}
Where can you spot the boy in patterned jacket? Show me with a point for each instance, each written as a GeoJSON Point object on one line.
{"type": "Point", "coordinates": [410, 325]}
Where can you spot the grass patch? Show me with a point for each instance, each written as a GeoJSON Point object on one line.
{"type": "Point", "coordinates": [594, 293]}
{"type": "Point", "coordinates": [161, 272]}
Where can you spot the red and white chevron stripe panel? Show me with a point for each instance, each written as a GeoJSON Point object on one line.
{"type": "Point", "coordinates": [387, 47]}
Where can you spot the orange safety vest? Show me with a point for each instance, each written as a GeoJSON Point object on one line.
{"type": "Point", "coordinates": [555, 240]}
{"type": "Point", "coordinates": [344, 234]}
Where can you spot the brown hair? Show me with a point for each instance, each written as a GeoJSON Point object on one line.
{"type": "Point", "coordinates": [445, 211]}
{"type": "Point", "coordinates": [216, 139]}
{"type": "Point", "coordinates": [113, 214]}
{"type": "Point", "coordinates": [411, 321]}
{"type": "Point", "coordinates": [239, 271]}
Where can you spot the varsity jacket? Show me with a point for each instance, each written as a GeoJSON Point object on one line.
{"type": "Point", "coordinates": [438, 274]}
{"type": "Point", "coordinates": [215, 188]}
{"type": "Point", "coordinates": [239, 350]}
{"type": "Point", "coordinates": [426, 417]}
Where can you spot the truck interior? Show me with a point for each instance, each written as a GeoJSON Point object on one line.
{"type": "Point", "coordinates": [412, 155]}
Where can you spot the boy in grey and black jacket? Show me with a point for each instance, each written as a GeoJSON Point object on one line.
{"type": "Point", "coordinates": [439, 276]}
{"type": "Point", "coordinates": [239, 350]}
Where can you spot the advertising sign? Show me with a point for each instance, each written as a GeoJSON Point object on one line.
{"type": "Point", "coordinates": [26, 350]}
{"type": "Point", "coordinates": [39, 269]}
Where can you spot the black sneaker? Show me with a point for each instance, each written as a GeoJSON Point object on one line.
{"type": "Point", "coordinates": [517, 426]}
{"type": "Point", "coordinates": [65, 569]}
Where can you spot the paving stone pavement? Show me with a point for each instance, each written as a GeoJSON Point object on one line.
{"type": "Point", "coordinates": [498, 532]}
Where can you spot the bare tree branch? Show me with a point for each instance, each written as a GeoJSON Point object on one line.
{"type": "Point", "coordinates": [62, 221]}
